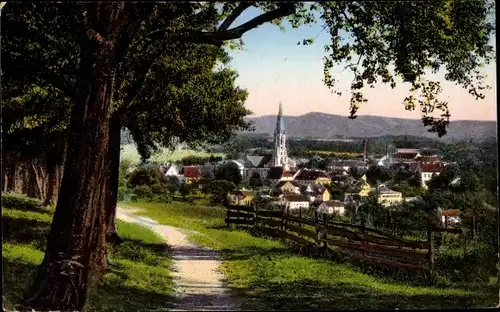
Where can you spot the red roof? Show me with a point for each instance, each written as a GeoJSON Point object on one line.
{"type": "Point", "coordinates": [434, 167]}
{"type": "Point", "coordinates": [428, 159]}
{"type": "Point", "coordinates": [450, 212]}
{"type": "Point", "coordinates": [406, 155]}
{"type": "Point", "coordinates": [311, 175]}
{"type": "Point", "coordinates": [191, 171]}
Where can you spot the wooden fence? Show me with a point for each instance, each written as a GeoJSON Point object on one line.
{"type": "Point", "coordinates": [353, 240]}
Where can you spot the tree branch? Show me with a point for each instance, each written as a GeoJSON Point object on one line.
{"type": "Point", "coordinates": [234, 15]}
{"type": "Point", "coordinates": [235, 33]}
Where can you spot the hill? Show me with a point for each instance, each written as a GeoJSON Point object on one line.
{"type": "Point", "coordinates": [325, 126]}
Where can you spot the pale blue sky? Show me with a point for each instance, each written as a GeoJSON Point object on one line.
{"type": "Point", "coordinates": [274, 68]}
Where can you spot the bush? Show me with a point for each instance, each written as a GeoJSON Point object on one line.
{"type": "Point", "coordinates": [145, 176]}
{"type": "Point", "coordinates": [143, 192]}
{"type": "Point", "coordinates": [21, 202]}
{"type": "Point", "coordinates": [476, 266]}
{"type": "Point", "coordinates": [157, 188]}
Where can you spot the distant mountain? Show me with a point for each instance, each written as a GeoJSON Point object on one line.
{"type": "Point", "coordinates": [326, 126]}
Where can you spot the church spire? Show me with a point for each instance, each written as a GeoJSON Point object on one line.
{"type": "Point", "coordinates": [280, 124]}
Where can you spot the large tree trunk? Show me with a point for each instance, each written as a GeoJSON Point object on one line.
{"type": "Point", "coordinates": [113, 166]}
{"type": "Point", "coordinates": [76, 246]}
{"type": "Point", "coordinates": [77, 236]}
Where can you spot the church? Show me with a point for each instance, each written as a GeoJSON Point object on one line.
{"type": "Point", "coordinates": [279, 157]}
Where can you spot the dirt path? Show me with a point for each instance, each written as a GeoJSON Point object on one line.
{"type": "Point", "coordinates": [198, 282]}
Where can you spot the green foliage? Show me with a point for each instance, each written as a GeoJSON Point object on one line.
{"type": "Point", "coordinates": [255, 180]}
{"type": "Point", "coordinates": [406, 41]}
{"type": "Point", "coordinates": [408, 191]}
{"type": "Point", "coordinates": [16, 201]}
{"type": "Point", "coordinates": [378, 174]}
{"type": "Point", "coordinates": [143, 192]}
{"type": "Point", "coordinates": [145, 176]}
{"type": "Point", "coordinates": [219, 190]}
{"type": "Point", "coordinates": [229, 171]}
{"type": "Point", "coordinates": [185, 190]}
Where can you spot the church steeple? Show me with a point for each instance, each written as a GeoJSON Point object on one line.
{"type": "Point", "coordinates": [280, 124]}
{"type": "Point", "coordinates": [280, 154]}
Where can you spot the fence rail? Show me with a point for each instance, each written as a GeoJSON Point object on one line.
{"type": "Point", "coordinates": [353, 240]}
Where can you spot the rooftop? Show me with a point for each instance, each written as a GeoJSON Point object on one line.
{"type": "Point", "coordinates": [311, 175]}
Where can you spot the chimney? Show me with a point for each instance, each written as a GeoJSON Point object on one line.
{"type": "Point", "coordinates": [364, 150]}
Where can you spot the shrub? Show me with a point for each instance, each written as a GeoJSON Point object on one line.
{"type": "Point", "coordinates": [145, 176]}
{"type": "Point", "coordinates": [157, 188]}
{"type": "Point", "coordinates": [21, 202]}
{"type": "Point", "coordinates": [143, 192]}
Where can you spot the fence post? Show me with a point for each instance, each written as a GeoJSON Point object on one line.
{"type": "Point", "coordinates": [283, 218]}
{"type": "Point", "coordinates": [430, 255]}
{"type": "Point", "coordinates": [325, 223]}
{"type": "Point", "coordinates": [255, 214]}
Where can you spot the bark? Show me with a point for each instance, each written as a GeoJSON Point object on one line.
{"type": "Point", "coordinates": [11, 178]}
{"type": "Point", "coordinates": [113, 166]}
{"type": "Point", "coordinates": [76, 246]}
{"type": "Point", "coordinates": [51, 188]}
{"type": "Point", "coordinates": [37, 179]}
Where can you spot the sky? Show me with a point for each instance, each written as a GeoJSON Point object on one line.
{"type": "Point", "coordinates": [273, 68]}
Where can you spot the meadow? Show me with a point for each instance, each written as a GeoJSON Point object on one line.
{"type": "Point", "coordinates": [266, 274]}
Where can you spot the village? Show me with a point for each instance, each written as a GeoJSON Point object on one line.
{"type": "Point", "coordinates": [290, 184]}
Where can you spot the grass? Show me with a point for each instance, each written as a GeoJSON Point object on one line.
{"type": "Point", "coordinates": [140, 267]}
{"type": "Point", "coordinates": [267, 275]}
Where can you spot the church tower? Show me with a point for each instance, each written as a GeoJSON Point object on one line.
{"type": "Point", "coordinates": [280, 157]}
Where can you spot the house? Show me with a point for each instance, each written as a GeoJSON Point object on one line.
{"type": "Point", "coordinates": [169, 170]}
{"type": "Point", "coordinates": [331, 206]}
{"type": "Point", "coordinates": [450, 217]}
{"type": "Point", "coordinates": [305, 177]}
{"type": "Point", "coordinates": [407, 154]}
{"type": "Point", "coordinates": [259, 164]}
{"type": "Point", "coordinates": [288, 175]}
{"type": "Point", "coordinates": [388, 197]}
{"type": "Point", "coordinates": [428, 159]}
{"type": "Point", "coordinates": [360, 189]}
{"type": "Point", "coordinates": [345, 165]}
{"type": "Point", "coordinates": [287, 187]}
{"type": "Point", "coordinates": [428, 170]}
{"type": "Point", "coordinates": [191, 174]}
{"type": "Point", "coordinates": [322, 195]}
{"type": "Point", "coordinates": [294, 202]}
{"type": "Point", "coordinates": [241, 197]}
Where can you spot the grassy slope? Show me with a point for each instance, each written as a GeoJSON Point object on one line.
{"type": "Point", "coordinates": [140, 277]}
{"type": "Point", "coordinates": [269, 276]}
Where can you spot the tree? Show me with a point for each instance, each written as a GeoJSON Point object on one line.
{"type": "Point", "coordinates": [173, 185]}
{"type": "Point", "coordinates": [255, 180]}
{"type": "Point", "coordinates": [219, 190]}
{"type": "Point", "coordinates": [185, 190]}
{"type": "Point", "coordinates": [412, 37]}
{"type": "Point", "coordinates": [229, 171]}
{"type": "Point", "coordinates": [378, 174]}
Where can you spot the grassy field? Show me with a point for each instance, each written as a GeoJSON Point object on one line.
{"type": "Point", "coordinates": [140, 267]}
{"type": "Point", "coordinates": [266, 274]}
{"type": "Point", "coordinates": [164, 155]}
